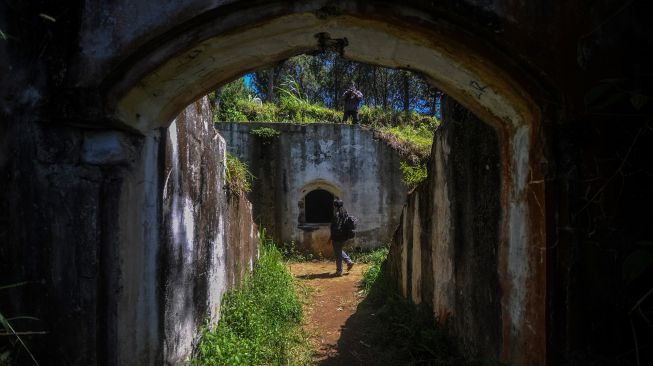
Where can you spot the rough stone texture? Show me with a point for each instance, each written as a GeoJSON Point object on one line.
{"type": "Point", "coordinates": [345, 160]}
{"type": "Point", "coordinates": [106, 148]}
{"type": "Point", "coordinates": [447, 250]}
{"type": "Point", "coordinates": [562, 83]}
{"type": "Point", "coordinates": [126, 261]}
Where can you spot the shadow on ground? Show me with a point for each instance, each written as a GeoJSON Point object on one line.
{"type": "Point", "coordinates": [387, 330]}
{"type": "Point", "coordinates": [355, 347]}
{"type": "Point", "coordinates": [312, 276]}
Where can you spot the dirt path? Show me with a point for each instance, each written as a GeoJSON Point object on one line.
{"type": "Point", "coordinates": [335, 320]}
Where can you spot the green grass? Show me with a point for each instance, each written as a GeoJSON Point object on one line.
{"type": "Point", "coordinates": [415, 139]}
{"type": "Point", "coordinates": [375, 258]}
{"type": "Point", "coordinates": [238, 176]}
{"type": "Point", "coordinates": [260, 322]}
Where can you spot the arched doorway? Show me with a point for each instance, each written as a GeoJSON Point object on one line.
{"type": "Point", "coordinates": [318, 206]}
{"type": "Point", "coordinates": [315, 205]}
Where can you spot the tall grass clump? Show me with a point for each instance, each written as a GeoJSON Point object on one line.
{"type": "Point", "coordinates": [260, 322]}
{"type": "Point", "coordinates": [238, 176]}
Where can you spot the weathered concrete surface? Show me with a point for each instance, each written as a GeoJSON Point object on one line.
{"type": "Point", "coordinates": [449, 251]}
{"type": "Point", "coordinates": [209, 236]}
{"type": "Point", "coordinates": [345, 160]}
{"type": "Point", "coordinates": [574, 73]}
{"type": "Point", "coordinates": [127, 259]}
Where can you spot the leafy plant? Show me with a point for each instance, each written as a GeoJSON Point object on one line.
{"type": "Point", "coordinates": [238, 176]}
{"type": "Point", "coordinates": [260, 322]}
{"type": "Point", "coordinates": [414, 174]}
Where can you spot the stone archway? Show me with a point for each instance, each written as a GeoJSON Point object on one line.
{"type": "Point", "coordinates": [146, 65]}
{"type": "Point", "coordinates": [194, 59]}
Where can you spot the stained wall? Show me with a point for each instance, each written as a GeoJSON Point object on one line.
{"type": "Point", "coordinates": [345, 160]}
{"type": "Point", "coordinates": [127, 242]}
{"type": "Point", "coordinates": [448, 252]}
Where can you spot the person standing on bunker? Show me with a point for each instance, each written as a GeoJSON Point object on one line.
{"type": "Point", "coordinates": [339, 235]}
{"type": "Point", "coordinates": [352, 99]}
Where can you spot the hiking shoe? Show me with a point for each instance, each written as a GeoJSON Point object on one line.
{"type": "Point", "coordinates": [338, 274]}
{"type": "Point", "coordinates": [349, 265]}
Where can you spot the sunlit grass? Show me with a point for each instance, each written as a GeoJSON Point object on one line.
{"type": "Point", "coordinates": [260, 322]}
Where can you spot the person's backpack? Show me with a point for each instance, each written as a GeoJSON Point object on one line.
{"type": "Point", "coordinates": [348, 226]}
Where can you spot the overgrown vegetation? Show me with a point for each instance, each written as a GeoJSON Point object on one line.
{"type": "Point", "coordinates": [260, 322]}
{"type": "Point", "coordinates": [238, 177]}
{"type": "Point", "coordinates": [398, 105]}
{"type": "Point", "coordinates": [410, 133]}
{"type": "Point", "coordinates": [413, 142]}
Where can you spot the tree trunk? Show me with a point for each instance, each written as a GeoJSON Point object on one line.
{"type": "Point", "coordinates": [270, 88]}
{"type": "Point", "coordinates": [406, 91]}
{"type": "Point", "coordinates": [336, 83]}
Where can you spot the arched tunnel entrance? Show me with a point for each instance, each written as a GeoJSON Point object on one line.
{"type": "Point", "coordinates": [155, 87]}
{"type": "Point", "coordinates": [178, 59]}
{"type": "Point", "coordinates": [152, 89]}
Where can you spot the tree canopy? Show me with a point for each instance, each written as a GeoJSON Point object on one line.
{"type": "Point", "coordinates": [321, 80]}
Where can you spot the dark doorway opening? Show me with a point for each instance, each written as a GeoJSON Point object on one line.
{"type": "Point", "coordinates": [319, 206]}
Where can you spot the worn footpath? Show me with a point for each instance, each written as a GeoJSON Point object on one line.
{"type": "Point", "coordinates": [335, 318]}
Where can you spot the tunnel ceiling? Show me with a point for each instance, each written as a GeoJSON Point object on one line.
{"type": "Point", "coordinates": [154, 86]}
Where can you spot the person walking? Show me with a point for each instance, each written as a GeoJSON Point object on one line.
{"type": "Point", "coordinates": [339, 236]}
{"type": "Point", "coordinates": [352, 99]}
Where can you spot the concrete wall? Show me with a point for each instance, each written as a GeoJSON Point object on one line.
{"type": "Point", "coordinates": [345, 160]}
{"type": "Point", "coordinates": [209, 238]}
{"type": "Point", "coordinates": [129, 241]}
{"type": "Point", "coordinates": [447, 252]}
